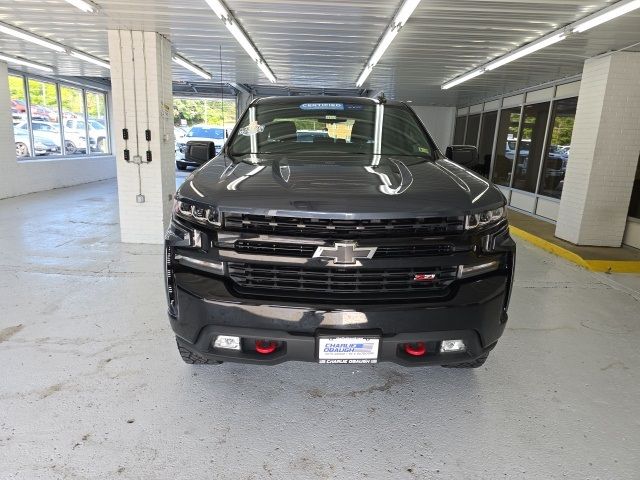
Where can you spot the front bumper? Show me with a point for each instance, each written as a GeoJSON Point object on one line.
{"type": "Point", "coordinates": [477, 314]}
{"type": "Point", "coordinates": [205, 304]}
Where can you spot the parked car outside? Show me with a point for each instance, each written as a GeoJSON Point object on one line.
{"type": "Point", "coordinates": [199, 133]}
{"type": "Point", "coordinates": [74, 142]}
{"type": "Point", "coordinates": [97, 132]}
{"type": "Point", "coordinates": [42, 145]}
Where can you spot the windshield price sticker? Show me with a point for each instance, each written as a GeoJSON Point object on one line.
{"type": "Point", "coordinates": [252, 129]}
{"type": "Point", "coordinates": [322, 106]}
{"type": "Point", "coordinates": [348, 350]}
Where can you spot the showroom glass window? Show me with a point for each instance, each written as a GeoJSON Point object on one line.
{"type": "Point", "coordinates": [506, 145]}
{"type": "Point", "coordinates": [97, 124]}
{"type": "Point", "coordinates": [21, 129]}
{"type": "Point", "coordinates": [45, 115]}
{"type": "Point", "coordinates": [52, 118]}
{"type": "Point", "coordinates": [558, 147]}
{"type": "Point", "coordinates": [75, 136]}
{"type": "Point", "coordinates": [485, 145]}
{"type": "Point", "coordinates": [473, 125]}
{"type": "Point", "coordinates": [458, 134]}
{"type": "Point", "coordinates": [531, 146]}
{"type": "Point", "coordinates": [634, 204]}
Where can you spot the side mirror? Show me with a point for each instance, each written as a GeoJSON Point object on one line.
{"type": "Point", "coordinates": [466, 156]}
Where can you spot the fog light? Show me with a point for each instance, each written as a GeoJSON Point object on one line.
{"type": "Point", "coordinates": [448, 346]}
{"type": "Point", "coordinates": [227, 342]}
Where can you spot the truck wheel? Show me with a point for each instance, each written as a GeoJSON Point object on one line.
{"type": "Point", "coordinates": [193, 358]}
{"type": "Point", "coordinates": [478, 362]}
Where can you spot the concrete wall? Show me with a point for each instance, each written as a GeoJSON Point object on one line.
{"type": "Point", "coordinates": [439, 121]}
{"type": "Point", "coordinates": [28, 176]}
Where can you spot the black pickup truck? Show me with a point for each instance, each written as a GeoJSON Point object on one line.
{"type": "Point", "coordinates": [333, 230]}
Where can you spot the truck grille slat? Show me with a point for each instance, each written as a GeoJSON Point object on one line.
{"type": "Point", "coordinates": [306, 251]}
{"type": "Point", "coordinates": [331, 228]}
{"type": "Point", "coordinates": [339, 281]}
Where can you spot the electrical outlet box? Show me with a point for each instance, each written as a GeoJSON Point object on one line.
{"type": "Point", "coordinates": [140, 198]}
{"type": "Point", "coordinates": [137, 159]}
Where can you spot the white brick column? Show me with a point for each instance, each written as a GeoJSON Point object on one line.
{"type": "Point", "coordinates": [142, 99]}
{"type": "Point", "coordinates": [604, 152]}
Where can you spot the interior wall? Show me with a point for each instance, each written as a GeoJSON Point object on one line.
{"type": "Point", "coordinates": [439, 121]}
{"type": "Point", "coordinates": [28, 176]}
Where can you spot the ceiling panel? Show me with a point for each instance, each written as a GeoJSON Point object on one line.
{"type": "Point", "coordinates": [324, 44]}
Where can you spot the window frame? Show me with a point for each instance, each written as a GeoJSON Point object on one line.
{"type": "Point", "coordinates": [84, 89]}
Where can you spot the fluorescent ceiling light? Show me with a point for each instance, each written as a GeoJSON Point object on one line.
{"type": "Point", "coordinates": [218, 8]}
{"type": "Point", "coordinates": [25, 63]}
{"type": "Point", "coordinates": [232, 25]}
{"type": "Point", "coordinates": [526, 50]}
{"type": "Point", "coordinates": [391, 32]}
{"type": "Point", "coordinates": [29, 37]}
{"type": "Point", "coordinates": [405, 11]}
{"type": "Point", "coordinates": [463, 78]}
{"type": "Point", "coordinates": [267, 71]}
{"type": "Point", "coordinates": [243, 40]}
{"type": "Point", "coordinates": [183, 62]}
{"type": "Point", "coordinates": [90, 59]}
{"type": "Point", "coordinates": [85, 6]}
{"type": "Point", "coordinates": [614, 11]}
{"type": "Point", "coordinates": [363, 76]}
{"type": "Point", "coordinates": [382, 47]}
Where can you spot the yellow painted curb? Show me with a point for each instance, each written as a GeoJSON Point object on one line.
{"type": "Point", "coordinates": [613, 266]}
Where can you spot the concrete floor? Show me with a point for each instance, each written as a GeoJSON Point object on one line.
{"type": "Point", "coordinates": [92, 387]}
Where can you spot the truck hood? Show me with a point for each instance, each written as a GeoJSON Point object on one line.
{"type": "Point", "coordinates": [340, 186]}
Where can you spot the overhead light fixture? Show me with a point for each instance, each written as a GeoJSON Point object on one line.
{"type": "Point", "coordinates": [183, 62]}
{"type": "Point", "coordinates": [29, 37]}
{"type": "Point", "coordinates": [526, 50]}
{"type": "Point", "coordinates": [241, 37]}
{"type": "Point", "coordinates": [614, 11]}
{"type": "Point", "coordinates": [90, 58]}
{"type": "Point", "coordinates": [598, 18]}
{"type": "Point", "coordinates": [462, 79]}
{"type": "Point", "coordinates": [25, 63]}
{"type": "Point", "coordinates": [84, 5]}
{"type": "Point", "coordinates": [394, 27]}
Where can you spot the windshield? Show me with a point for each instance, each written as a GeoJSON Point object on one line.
{"type": "Point", "coordinates": [326, 127]}
{"type": "Point", "coordinates": [206, 132]}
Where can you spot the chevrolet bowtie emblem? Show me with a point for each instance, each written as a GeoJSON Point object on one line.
{"type": "Point", "coordinates": [345, 253]}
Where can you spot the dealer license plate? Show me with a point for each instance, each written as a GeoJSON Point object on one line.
{"type": "Point", "coordinates": [348, 349]}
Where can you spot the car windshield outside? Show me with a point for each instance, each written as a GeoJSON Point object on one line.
{"type": "Point", "coordinates": [206, 132]}
{"type": "Point", "coordinates": [329, 128]}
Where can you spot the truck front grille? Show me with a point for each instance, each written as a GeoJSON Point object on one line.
{"type": "Point", "coordinates": [344, 283]}
{"type": "Point", "coordinates": [331, 228]}
{"type": "Point", "coordinates": [306, 251]}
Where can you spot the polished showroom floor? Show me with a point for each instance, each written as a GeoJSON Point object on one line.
{"type": "Point", "coordinates": [92, 387]}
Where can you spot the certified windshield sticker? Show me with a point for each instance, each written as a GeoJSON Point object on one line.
{"type": "Point", "coordinates": [252, 129]}
{"type": "Point", "coordinates": [322, 106]}
{"type": "Point", "coordinates": [423, 150]}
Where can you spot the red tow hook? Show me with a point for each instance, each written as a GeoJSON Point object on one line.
{"type": "Point", "coordinates": [415, 349]}
{"type": "Point", "coordinates": [265, 347]}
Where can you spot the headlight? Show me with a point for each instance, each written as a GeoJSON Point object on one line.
{"type": "Point", "coordinates": [482, 219]}
{"type": "Point", "coordinates": [207, 216]}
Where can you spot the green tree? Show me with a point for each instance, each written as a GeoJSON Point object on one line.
{"type": "Point", "coordinates": [200, 110]}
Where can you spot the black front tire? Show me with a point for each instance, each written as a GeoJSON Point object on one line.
{"type": "Point", "coordinates": [478, 362]}
{"type": "Point", "coordinates": [193, 358]}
